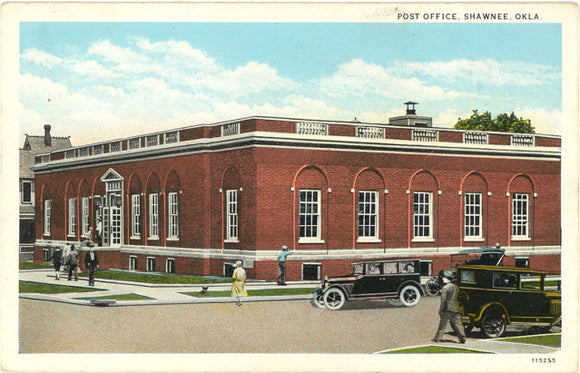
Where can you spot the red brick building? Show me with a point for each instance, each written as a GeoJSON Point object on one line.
{"type": "Point", "coordinates": [194, 200]}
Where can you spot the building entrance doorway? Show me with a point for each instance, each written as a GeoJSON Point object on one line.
{"type": "Point", "coordinates": [112, 209]}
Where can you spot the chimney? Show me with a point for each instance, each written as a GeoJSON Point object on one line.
{"type": "Point", "coordinates": [47, 138]}
{"type": "Point", "coordinates": [411, 107]}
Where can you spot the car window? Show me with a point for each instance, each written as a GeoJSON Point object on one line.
{"type": "Point", "coordinates": [357, 269]}
{"type": "Point", "coordinates": [407, 267]}
{"type": "Point", "coordinates": [505, 280]}
{"type": "Point", "coordinates": [373, 268]}
{"type": "Point", "coordinates": [530, 282]}
{"type": "Point", "coordinates": [467, 276]}
{"type": "Point", "coordinates": [390, 267]}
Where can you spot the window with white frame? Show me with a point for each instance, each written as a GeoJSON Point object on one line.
{"type": "Point", "coordinates": [520, 216]}
{"type": "Point", "coordinates": [85, 215]}
{"type": "Point", "coordinates": [26, 194]}
{"type": "Point", "coordinates": [172, 215]}
{"type": "Point", "coordinates": [150, 264]}
{"type": "Point", "coordinates": [473, 216]}
{"type": "Point", "coordinates": [136, 216]}
{"type": "Point", "coordinates": [132, 263]}
{"type": "Point", "coordinates": [72, 216]}
{"type": "Point", "coordinates": [47, 216]}
{"type": "Point", "coordinates": [153, 215]}
{"type": "Point", "coordinates": [98, 149]}
{"type": "Point", "coordinates": [422, 216]}
{"type": "Point", "coordinates": [368, 214]}
{"type": "Point", "coordinates": [170, 265]}
{"type": "Point", "coordinates": [232, 215]}
{"type": "Point", "coordinates": [309, 216]}
{"type": "Point", "coordinates": [152, 140]}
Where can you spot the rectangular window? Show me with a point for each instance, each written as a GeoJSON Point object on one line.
{"type": "Point", "coordinates": [83, 152]}
{"type": "Point", "coordinates": [153, 215]}
{"type": "Point", "coordinates": [172, 216]}
{"type": "Point", "coordinates": [152, 140]}
{"type": "Point", "coordinates": [520, 216]}
{"type": "Point", "coordinates": [368, 216]}
{"type": "Point", "coordinates": [523, 262]}
{"type": "Point", "coordinates": [115, 146]}
{"type": "Point", "coordinates": [26, 196]}
{"type": "Point", "coordinates": [47, 216]}
{"type": "Point", "coordinates": [422, 216]}
{"type": "Point", "coordinates": [136, 216]}
{"type": "Point", "coordinates": [473, 216]}
{"type": "Point", "coordinates": [232, 215]}
{"type": "Point", "coordinates": [170, 265]}
{"type": "Point", "coordinates": [171, 137]}
{"type": "Point", "coordinates": [530, 281]}
{"type": "Point", "coordinates": [309, 216]}
{"type": "Point", "coordinates": [132, 263]}
{"type": "Point", "coordinates": [310, 271]}
{"type": "Point", "coordinates": [135, 143]}
{"type": "Point", "coordinates": [85, 215]}
{"type": "Point", "coordinates": [72, 216]}
{"type": "Point", "coordinates": [98, 149]}
{"type": "Point", "coordinates": [150, 264]}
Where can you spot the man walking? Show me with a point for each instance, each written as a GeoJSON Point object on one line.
{"type": "Point", "coordinates": [448, 311]}
{"type": "Point", "coordinates": [282, 265]}
{"type": "Point", "coordinates": [73, 262]}
{"type": "Point", "coordinates": [91, 263]}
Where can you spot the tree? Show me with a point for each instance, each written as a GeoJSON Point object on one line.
{"type": "Point", "coordinates": [502, 123]}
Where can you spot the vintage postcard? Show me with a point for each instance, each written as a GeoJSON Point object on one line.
{"type": "Point", "coordinates": [289, 187]}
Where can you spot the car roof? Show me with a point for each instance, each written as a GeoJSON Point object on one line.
{"type": "Point", "coordinates": [385, 261]}
{"type": "Point", "coordinates": [481, 250]}
{"type": "Point", "coordinates": [500, 269]}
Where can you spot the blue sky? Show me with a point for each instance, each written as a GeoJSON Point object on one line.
{"type": "Point", "coordinates": [98, 81]}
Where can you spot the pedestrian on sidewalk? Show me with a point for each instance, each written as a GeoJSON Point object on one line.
{"type": "Point", "coordinates": [91, 263]}
{"type": "Point", "coordinates": [56, 260]}
{"type": "Point", "coordinates": [239, 284]}
{"type": "Point", "coordinates": [282, 265]}
{"type": "Point", "coordinates": [73, 262]}
{"type": "Point", "coordinates": [448, 310]}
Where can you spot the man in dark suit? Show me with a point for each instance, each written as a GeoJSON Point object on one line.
{"type": "Point", "coordinates": [448, 310]}
{"type": "Point", "coordinates": [91, 263]}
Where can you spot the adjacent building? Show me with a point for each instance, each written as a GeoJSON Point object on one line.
{"type": "Point", "coordinates": [194, 200]}
{"type": "Point", "coordinates": [33, 145]}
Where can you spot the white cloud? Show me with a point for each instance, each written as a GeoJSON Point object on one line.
{"type": "Point", "coordinates": [490, 71]}
{"type": "Point", "coordinates": [41, 58]}
{"type": "Point", "coordinates": [549, 122]}
{"type": "Point", "coordinates": [358, 77]}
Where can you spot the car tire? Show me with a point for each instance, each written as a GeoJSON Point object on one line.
{"type": "Point", "coordinates": [432, 287]}
{"type": "Point", "coordinates": [410, 296]}
{"type": "Point", "coordinates": [318, 301]}
{"type": "Point", "coordinates": [493, 324]}
{"type": "Point", "coordinates": [334, 299]}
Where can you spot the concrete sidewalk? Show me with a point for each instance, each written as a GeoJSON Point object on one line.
{"type": "Point", "coordinates": [156, 293]}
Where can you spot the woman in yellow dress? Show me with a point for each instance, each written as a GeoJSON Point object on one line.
{"type": "Point", "coordinates": [238, 287]}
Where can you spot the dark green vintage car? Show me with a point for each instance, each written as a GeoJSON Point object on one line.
{"type": "Point", "coordinates": [492, 297]}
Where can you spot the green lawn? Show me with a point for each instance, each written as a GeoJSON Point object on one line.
{"type": "Point", "coordinates": [33, 265]}
{"type": "Point", "coordinates": [434, 350]}
{"type": "Point", "coordinates": [41, 288]}
{"type": "Point", "coordinates": [260, 292]}
{"type": "Point", "coordinates": [157, 278]}
{"type": "Point", "coordinates": [551, 340]}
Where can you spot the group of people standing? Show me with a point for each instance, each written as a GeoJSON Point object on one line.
{"type": "Point", "coordinates": [69, 258]}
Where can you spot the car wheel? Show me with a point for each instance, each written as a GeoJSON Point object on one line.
{"type": "Point", "coordinates": [318, 300]}
{"type": "Point", "coordinates": [410, 296]}
{"type": "Point", "coordinates": [334, 299]}
{"type": "Point", "coordinates": [432, 286]}
{"type": "Point", "coordinates": [493, 324]}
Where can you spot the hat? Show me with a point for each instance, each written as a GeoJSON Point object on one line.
{"type": "Point", "coordinates": [449, 275]}
{"type": "Point", "coordinates": [284, 247]}
{"type": "Point", "coordinates": [238, 264]}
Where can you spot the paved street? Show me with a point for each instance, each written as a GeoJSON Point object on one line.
{"type": "Point", "coordinates": [175, 323]}
{"type": "Point", "coordinates": [265, 327]}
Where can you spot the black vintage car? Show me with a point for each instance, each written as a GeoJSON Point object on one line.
{"type": "Point", "coordinates": [493, 297]}
{"type": "Point", "coordinates": [383, 279]}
